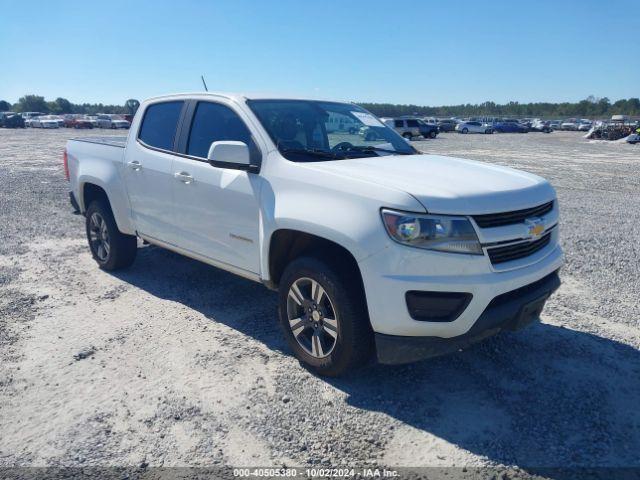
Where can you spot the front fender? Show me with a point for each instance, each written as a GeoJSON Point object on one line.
{"type": "Point", "coordinates": [349, 222]}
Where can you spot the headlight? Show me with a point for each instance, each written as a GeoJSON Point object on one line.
{"type": "Point", "coordinates": [433, 232]}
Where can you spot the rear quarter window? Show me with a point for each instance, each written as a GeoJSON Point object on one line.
{"type": "Point", "coordinates": [160, 123]}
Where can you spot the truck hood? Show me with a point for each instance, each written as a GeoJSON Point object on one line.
{"type": "Point", "coordinates": [449, 185]}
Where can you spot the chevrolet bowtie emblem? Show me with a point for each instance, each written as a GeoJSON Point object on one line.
{"type": "Point", "coordinates": [535, 227]}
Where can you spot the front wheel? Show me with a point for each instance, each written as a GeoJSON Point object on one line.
{"type": "Point", "coordinates": [110, 248]}
{"type": "Point", "coordinates": [323, 314]}
{"type": "Point", "coordinates": [465, 130]}
{"type": "Point", "coordinates": [433, 134]}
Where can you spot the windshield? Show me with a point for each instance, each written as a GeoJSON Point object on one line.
{"type": "Point", "coordinates": [312, 131]}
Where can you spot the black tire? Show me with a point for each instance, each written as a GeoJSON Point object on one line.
{"type": "Point", "coordinates": [122, 248]}
{"type": "Point", "coordinates": [407, 135]}
{"type": "Point", "coordinates": [465, 130]}
{"type": "Point", "coordinates": [353, 344]}
{"type": "Point", "coordinates": [433, 134]}
{"type": "Point", "coordinates": [488, 131]}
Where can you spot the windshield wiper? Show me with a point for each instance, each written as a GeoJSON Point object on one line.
{"type": "Point", "coordinates": [372, 149]}
{"type": "Point", "coordinates": [314, 152]}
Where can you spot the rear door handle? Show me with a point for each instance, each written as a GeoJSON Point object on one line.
{"type": "Point", "coordinates": [135, 165]}
{"type": "Point", "coordinates": [184, 177]}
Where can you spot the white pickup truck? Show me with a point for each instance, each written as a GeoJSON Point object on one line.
{"type": "Point", "coordinates": [374, 247]}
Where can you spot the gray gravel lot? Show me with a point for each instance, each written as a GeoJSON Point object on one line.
{"type": "Point", "coordinates": [175, 363]}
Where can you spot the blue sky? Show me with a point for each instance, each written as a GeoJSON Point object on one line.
{"type": "Point", "coordinates": [425, 52]}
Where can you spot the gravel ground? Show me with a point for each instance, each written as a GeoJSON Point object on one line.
{"type": "Point", "coordinates": [175, 363]}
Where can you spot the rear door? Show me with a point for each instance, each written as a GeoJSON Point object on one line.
{"type": "Point", "coordinates": [148, 171]}
{"type": "Point", "coordinates": [216, 210]}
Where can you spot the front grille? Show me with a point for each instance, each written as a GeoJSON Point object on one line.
{"type": "Point", "coordinates": [518, 250]}
{"type": "Point", "coordinates": [509, 218]}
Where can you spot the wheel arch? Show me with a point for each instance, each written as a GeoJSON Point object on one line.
{"type": "Point", "coordinates": [285, 245]}
{"type": "Point", "coordinates": [91, 189]}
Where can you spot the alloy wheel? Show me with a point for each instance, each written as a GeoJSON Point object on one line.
{"type": "Point", "coordinates": [99, 237]}
{"type": "Point", "coordinates": [312, 317]}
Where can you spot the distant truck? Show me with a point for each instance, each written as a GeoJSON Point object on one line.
{"type": "Point", "coordinates": [11, 120]}
{"type": "Point", "coordinates": [372, 246]}
{"type": "Point", "coordinates": [411, 127]}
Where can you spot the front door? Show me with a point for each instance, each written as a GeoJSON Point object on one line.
{"type": "Point", "coordinates": [216, 210]}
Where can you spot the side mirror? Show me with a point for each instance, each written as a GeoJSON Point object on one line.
{"type": "Point", "coordinates": [231, 154]}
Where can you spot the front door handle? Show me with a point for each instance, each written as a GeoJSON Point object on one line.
{"type": "Point", "coordinates": [184, 177]}
{"type": "Point", "coordinates": [135, 165]}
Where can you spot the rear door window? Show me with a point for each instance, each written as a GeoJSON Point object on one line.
{"type": "Point", "coordinates": [160, 123]}
{"type": "Point", "coordinates": [412, 123]}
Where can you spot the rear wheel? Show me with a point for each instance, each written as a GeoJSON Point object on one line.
{"type": "Point", "coordinates": [110, 248]}
{"type": "Point", "coordinates": [324, 317]}
{"type": "Point", "coordinates": [407, 135]}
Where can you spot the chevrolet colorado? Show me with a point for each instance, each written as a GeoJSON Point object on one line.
{"type": "Point", "coordinates": [374, 247]}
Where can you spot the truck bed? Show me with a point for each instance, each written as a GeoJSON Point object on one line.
{"type": "Point", "coordinates": [110, 140]}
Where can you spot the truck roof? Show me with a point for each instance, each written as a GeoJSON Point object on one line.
{"type": "Point", "coordinates": [239, 97]}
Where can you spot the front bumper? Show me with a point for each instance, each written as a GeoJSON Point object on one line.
{"type": "Point", "coordinates": [510, 311]}
{"type": "Point", "coordinates": [395, 270]}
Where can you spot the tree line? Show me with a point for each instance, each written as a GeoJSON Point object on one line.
{"type": "Point", "coordinates": [37, 103]}
{"type": "Point", "coordinates": [591, 107]}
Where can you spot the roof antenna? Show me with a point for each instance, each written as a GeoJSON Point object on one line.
{"type": "Point", "coordinates": [204, 83]}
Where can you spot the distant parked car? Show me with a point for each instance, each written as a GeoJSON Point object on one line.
{"type": "Point", "coordinates": [45, 121]}
{"type": "Point", "coordinates": [555, 124]}
{"type": "Point", "coordinates": [119, 123]}
{"type": "Point", "coordinates": [584, 126]}
{"type": "Point", "coordinates": [510, 126]}
{"type": "Point", "coordinates": [58, 119]}
{"type": "Point", "coordinates": [473, 127]}
{"type": "Point", "coordinates": [28, 116]}
{"type": "Point", "coordinates": [11, 120]}
{"type": "Point", "coordinates": [111, 121]}
{"type": "Point", "coordinates": [70, 121]}
{"type": "Point", "coordinates": [541, 126]}
{"type": "Point", "coordinates": [82, 123]}
{"type": "Point", "coordinates": [570, 125]}
{"type": "Point", "coordinates": [447, 125]}
{"type": "Point", "coordinates": [93, 119]}
{"type": "Point", "coordinates": [410, 127]}
{"type": "Point", "coordinates": [428, 130]}
{"type": "Point", "coordinates": [103, 120]}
